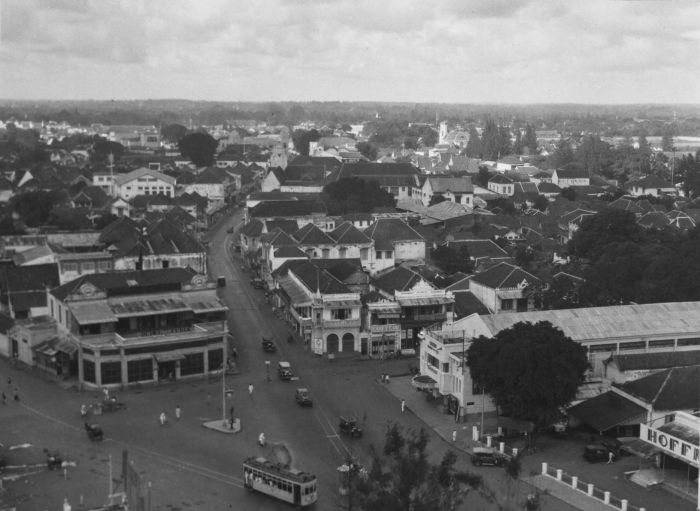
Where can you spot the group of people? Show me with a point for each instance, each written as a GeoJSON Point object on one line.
{"type": "Point", "coordinates": [163, 417]}
{"type": "Point", "coordinates": [384, 378]}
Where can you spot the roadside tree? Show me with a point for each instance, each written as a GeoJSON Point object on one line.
{"type": "Point", "coordinates": [198, 147]}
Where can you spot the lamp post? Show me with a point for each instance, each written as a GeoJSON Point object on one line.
{"type": "Point", "coordinates": [267, 369]}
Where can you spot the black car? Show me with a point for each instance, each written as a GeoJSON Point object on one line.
{"type": "Point", "coordinates": [268, 345]}
{"type": "Point", "coordinates": [302, 397]}
{"type": "Point", "coordinates": [487, 457]}
{"type": "Point", "coordinates": [257, 283]}
{"type": "Point", "coordinates": [597, 452]}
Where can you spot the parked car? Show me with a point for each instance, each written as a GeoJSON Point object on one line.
{"type": "Point", "coordinates": [302, 397]}
{"type": "Point", "coordinates": [613, 445]}
{"type": "Point", "coordinates": [285, 370]}
{"type": "Point", "coordinates": [484, 456]}
{"type": "Point", "coordinates": [596, 452]}
{"type": "Point", "coordinates": [268, 345]}
{"type": "Point", "coordinates": [257, 283]}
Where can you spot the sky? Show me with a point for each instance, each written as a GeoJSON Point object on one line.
{"type": "Point", "coordinates": [437, 51]}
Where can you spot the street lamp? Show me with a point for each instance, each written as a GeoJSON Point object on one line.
{"type": "Point", "coordinates": [267, 369]}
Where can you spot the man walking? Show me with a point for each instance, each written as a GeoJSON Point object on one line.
{"type": "Point", "coordinates": [163, 418]}
{"type": "Point", "coordinates": [403, 405]}
{"type": "Point", "coordinates": [250, 389]}
{"type": "Point", "coordinates": [177, 412]}
{"type": "Point", "coordinates": [611, 457]}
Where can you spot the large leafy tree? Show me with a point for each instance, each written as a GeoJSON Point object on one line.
{"type": "Point", "coordinates": [198, 147]}
{"type": "Point", "coordinates": [563, 154]}
{"type": "Point", "coordinates": [354, 195]}
{"type": "Point", "coordinates": [530, 370]}
{"type": "Point", "coordinates": [490, 141]}
{"type": "Point", "coordinates": [173, 132]}
{"type": "Point", "coordinates": [473, 149]}
{"type": "Point", "coordinates": [600, 230]}
{"type": "Point", "coordinates": [302, 138]}
{"type": "Point", "coordinates": [403, 479]}
{"type": "Point", "coordinates": [367, 150]}
{"type": "Point", "coordinates": [451, 260]}
{"type": "Point", "coordinates": [530, 139]}
{"type": "Point", "coordinates": [102, 148]}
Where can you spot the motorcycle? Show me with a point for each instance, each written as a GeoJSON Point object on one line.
{"type": "Point", "coordinates": [94, 432]}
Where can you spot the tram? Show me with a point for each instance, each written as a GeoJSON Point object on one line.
{"type": "Point", "coordinates": [289, 485]}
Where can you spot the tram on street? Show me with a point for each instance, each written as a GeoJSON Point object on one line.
{"type": "Point", "coordinates": [290, 485]}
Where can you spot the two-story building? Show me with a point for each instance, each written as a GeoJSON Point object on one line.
{"type": "Point", "coordinates": [143, 181]}
{"type": "Point", "coordinates": [444, 373]}
{"type": "Point", "coordinates": [454, 189]}
{"type": "Point", "coordinates": [137, 327]}
{"type": "Point", "coordinates": [565, 178]}
{"type": "Point", "coordinates": [506, 288]}
{"type": "Point", "coordinates": [501, 185]}
{"type": "Point", "coordinates": [394, 242]}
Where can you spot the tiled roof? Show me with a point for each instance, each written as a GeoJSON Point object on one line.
{"type": "Point", "coordinates": [315, 278]}
{"type": "Point", "coordinates": [654, 219]}
{"type": "Point", "coordinates": [397, 279]}
{"type": "Point", "coordinates": [140, 172]}
{"type": "Point", "coordinates": [340, 268]}
{"type": "Point", "coordinates": [312, 235]}
{"type": "Point", "coordinates": [348, 233]}
{"type": "Point", "coordinates": [656, 361]}
{"type": "Point", "coordinates": [386, 231]}
{"type": "Point", "coordinates": [374, 170]}
{"type": "Point", "coordinates": [572, 173]}
{"type": "Point", "coordinates": [467, 304]}
{"type": "Point", "coordinates": [131, 282]}
{"type": "Point", "coordinates": [606, 411]}
{"type": "Point", "coordinates": [252, 229]}
{"type": "Point", "coordinates": [546, 187]}
{"type": "Point", "coordinates": [278, 238]}
{"type": "Point", "coordinates": [672, 389]}
{"type": "Point", "coordinates": [286, 251]}
{"type": "Point", "coordinates": [504, 275]}
{"type": "Point", "coordinates": [650, 181]}
{"type": "Point", "coordinates": [479, 248]}
{"type": "Point", "coordinates": [500, 179]}
{"type": "Point", "coordinates": [625, 205]}
{"type": "Point", "coordinates": [442, 184]}
{"type": "Point", "coordinates": [288, 226]}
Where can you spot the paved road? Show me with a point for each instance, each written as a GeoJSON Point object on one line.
{"type": "Point", "coordinates": [190, 467]}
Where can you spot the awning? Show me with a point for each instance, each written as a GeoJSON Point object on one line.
{"type": "Point", "coordinates": [640, 448]}
{"type": "Point", "coordinates": [203, 302]}
{"type": "Point", "coordinates": [138, 306]}
{"type": "Point", "coordinates": [168, 357]}
{"type": "Point", "coordinates": [607, 411]}
{"type": "Point", "coordinates": [423, 382]}
{"type": "Point", "coordinates": [295, 292]}
{"type": "Point", "coordinates": [342, 303]}
{"type": "Point", "coordinates": [89, 313]}
{"type": "Point", "coordinates": [433, 300]}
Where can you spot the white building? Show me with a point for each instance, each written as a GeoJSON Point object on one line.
{"type": "Point", "coordinates": [143, 181]}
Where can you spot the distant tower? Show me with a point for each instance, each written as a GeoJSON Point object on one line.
{"type": "Point", "coordinates": [279, 157]}
{"type": "Point", "coordinates": [442, 132]}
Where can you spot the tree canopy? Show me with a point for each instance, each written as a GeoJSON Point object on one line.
{"type": "Point", "coordinates": [451, 260]}
{"type": "Point", "coordinates": [102, 148]}
{"type": "Point", "coordinates": [354, 195]}
{"type": "Point", "coordinates": [403, 479]}
{"type": "Point", "coordinates": [199, 147]}
{"type": "Point", "coordinates": [173, 132]}
{"type": "Point", "coordinates": [367, 150]}
{"type": "Point", "coordinates": [530, 370]}
{"type": "Point", "coordinates": [302, 138]}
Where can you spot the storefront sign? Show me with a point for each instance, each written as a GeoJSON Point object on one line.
{"type": "Point", "coordinates": [670, 444]}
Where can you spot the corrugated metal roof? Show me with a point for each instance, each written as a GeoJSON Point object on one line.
{"type": "Point", "coordinates": [295, 292]}
{"type": "Point", "coordinates": [647, 320]}
{"type": "Point", "coordinates": [92, 312]}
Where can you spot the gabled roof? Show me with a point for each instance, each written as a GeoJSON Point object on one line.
{"type": "Point", "coordinates": [572, 173]}
{"type": "Point", "coordinates": [163, 237]}
{"type": "Point", "coordinates": [500, 179]}
{"type": "Point", "coordinates": [314, 278]}
{"type": "Point", "coordinates": [278, 238]}
{"type": "Point", "coordinates": [252, 229]}
{"type": "Point", "coordinates": [141, 172]}
{"type": "Point", "coordinates": [312, 235]}
{"type": "Point", "coordinates": [212, 175]}
{"type": "Point", "coordinates": [386, 231]}
{"type": "Point", "coordinates": [340, 268]}
{"type": "Point", "coordinates": [650, 181]}
{"type": "Point", "coordinates": [328, 162]}
{"type": "Point", "coordinates": [505, 275]}
{"type": "Point", "coordinates": [479, 248]}
{"type": "Point", "coordinates": [467, 304]}
{"type": "Point", "coordinates": [443, 184]}
{"type": "Point", "coordinates": [606, 411]}
{"type": "Point", "coordinates": [372, 169]}
{"type": "Point", "coordinates": [288, 226]}
{"type": "Point", "coordinates": [547, 187]}
{"type": "Point", "coordinates": [397, 279]}
{"type": "Point", "coordinates": [347, 233]}
{"type": "Point", "coordinates": [672, 389]}
{"type": "Point", "coordinates": [290, 251]}
{"type": "Point", "coordinates": [626, 205]}
{"type": "Point", "coordinates": [655, 220]}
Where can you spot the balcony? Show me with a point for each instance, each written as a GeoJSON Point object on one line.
{"type": "Point", "coordinates": [385, 328]}
{"type": "Point", "coordinates": [193, 332]}
{"type": "Point", "coordinates": [434, 317]}
{"type": "Point", "coordinates": [341, 323]}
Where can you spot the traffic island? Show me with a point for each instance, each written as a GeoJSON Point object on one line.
{"type": "Point", "coordinates": [223, 426]}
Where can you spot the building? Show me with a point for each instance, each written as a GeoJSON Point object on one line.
{"type": "Point", "coordinates": [143, 181]}
{"type": "Point", "coordinates": [501, 185]}
{"type": "Point", "coordinates": [394, 242]}
{"type": "Point", "coordinates": [654, 328]}
{"type": "Point", "coordinates": [444, 373]}
{"type": "Point", "coordinates": [651, 185]}
{"type": "Point", "coordinates": [137, 327]}
{"type": "Point", "coordinates": [506, 288]}
{"type": "Point", "coordinates": [454, 189]}
{"type": "Point", "coordinates": [565, 178]}
{"type": "Point", "coordinates": [399, 179]}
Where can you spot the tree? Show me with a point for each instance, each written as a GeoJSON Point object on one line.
{"type": "Point", "coordinates": [667, 140]}
{"type": "Point", "coordinates": [346, 127]}
{"type": "Point", "coordinates": [102, 148]}
{"type": "Point", "coordinates": [518, 144]}
{"type": "Point", "coordinates": [34, 208]}
{"type": "Point", "coordinates": [594, 155]}
{"type": "Point", "coordinates": [482, 178]}
{"type": "Point", "coordinates": [563, 154]}
{"type": "Point", "coordinates": [473, 149]}
{"type": "Point", "coordinates": [302, 138]}
{"type": "Point", "coordinates": [367, 150]}
{"type": "Point", "coordinates": [490, 141]}
{"type": "Point", "coordinates": [403, 479]}
{"type": "Point", "coordinates": [569, 194]}
{"type": "Point", "coordinates": [523, 256]}
{"type": "Point", "coordinates": [504, 146]}
{"type": "Point", "coordinates": [530, 371]}
{"type": "Point", "coordinates": [173, 133]}
{"type": "Point", "coordinates": [199, 147]}
{"type": "Point", "coordinates": [644, 146]}
{"type": "Point", "coordinates": [355, 195]}
{"type": "Point", "coordinates": [530, 140]}
{"type": "Point", "coordinates": [451, 260]}
{"type": "Point", "coordinates": [597, 231]}
{"type": "Point", "coordinates": [436, 199]}
{"type": "Point", "coordinates": [541, 203]}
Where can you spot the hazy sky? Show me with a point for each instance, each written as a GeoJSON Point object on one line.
{"type": "Point", "coordinates": [467, 51]}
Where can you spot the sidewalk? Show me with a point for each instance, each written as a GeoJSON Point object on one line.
{"type": "Point", "coordinates": [444, 425]}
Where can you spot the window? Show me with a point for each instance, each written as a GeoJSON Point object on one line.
{"type": "Point", "coordinates": [432, 361]}
{"type": "Point", "coordinates": [105, 265]}
{"type": "Point", "coordinates": [216, 358]}
{"type": "Point", "coordinates": [88, 266]}
{"type": "Point", "coordinates": [389, 254]}
{"type": "Point", "coordinates": [70, 267]}
{"type": "Point", "coordinates": [342, 252]}
{"type": "Point", "coordinates": [192, 364]}
{"type": "Point", "coordinates": [600, 348]}
{"type": "Point", "coordinates": [507, 305]}
{"type": "Point", "coordinates": [111, 372]}
{"type": "Point", "coordinates": [341, 313]}
{"type": "Point", "coordinates": [89, 371]}
{"type": "Point", "coordinates": [693, 341]}
{"type": "Point", "coordinates": [637, 345]}
{"type": "Point", "coordinates": [380, 254]}
{"type": "Point", "coordinates": [364, 253]}
{"type": "Point", "coordinates": [326, 253]}
{"type": "Point", "coordinates": [662, 343]}
{"type": "Point", "coordinates": [140, 370]}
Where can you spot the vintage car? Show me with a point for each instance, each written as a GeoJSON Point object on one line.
{"type": "Point", "coordinates": [285, 370]}
{"type": "Point", "coordinates": [485, 456]}
{"type": "Point", "coordinates": [268, 345]}
{"type": "Point", "coordinates": [348, 426]}
{"type": "Point", "coordinates": [302, 397]}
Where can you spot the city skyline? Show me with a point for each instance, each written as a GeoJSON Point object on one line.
{"type": "Point", "coordinates": [448, 51]}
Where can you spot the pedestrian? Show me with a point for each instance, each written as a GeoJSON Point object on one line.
{"type": "Point", "coordinates": [386, 378]}
{"type": "Point", "coordinates": [230, 411]}
{"type": "Point", "coordinates": [16, 394]}
{"type": "Point", "coordinates": [106, 393]}
{"type": "Point", "coordinates": [83, 410]}
{"type": "Point", "coordinates": [177, 412]}
{"type": "Point", "coordinates": [163, 418]}
{"type": "Point", "coordinates": [250, 389]}
{"type": "Point", "coordinates": [261, 440]}
{"type": "Point", "coordinates": [234, 352]}
{"type": "Point", "coordinates": [4, 399]}
{"type": "Point", "coordinates": [611, 457]}
{"type": "Point", "coordinates": [403, 405]}
{"type": "Point", "coordinates": [454, 436]}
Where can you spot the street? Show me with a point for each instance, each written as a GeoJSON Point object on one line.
{"type": "Point", "coordinates": [189, 466]}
